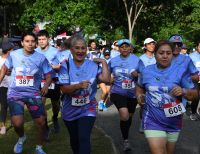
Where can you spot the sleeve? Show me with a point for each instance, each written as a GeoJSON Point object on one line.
{"type": "Point", "coordinates": [192, 68]}
{"type": "Point", "coordinates": [186, 81]}
{"type": "Point", "coordinates": [109, 66]}
{"type": "Point", "coordinates": [8, 62]}
{"type": "Point", "coordinates": [46, 67]}
{"type": "Point", "coordinates": [140, 80]}
{"type": "Point", "coordinates": [63, 75]}
{"type": "Point", "coordinates": [140, 66]}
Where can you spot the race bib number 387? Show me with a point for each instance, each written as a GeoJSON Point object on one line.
{"type": "Point", "coordinates": [24, 80]}
{"type": "Point", "coordinates": [173, 109]}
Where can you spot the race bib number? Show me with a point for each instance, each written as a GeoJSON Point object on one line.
{"type": "Point", "coordinates": [80, 101]}
{"type": "Point", "coordinates": [173, 109]}
{"type": "Point", "coordinates": [128, 84]}
{"type": "Point", "coordinates": [25, 81]}
{"type": "Point", "coordinates": [51, 86]}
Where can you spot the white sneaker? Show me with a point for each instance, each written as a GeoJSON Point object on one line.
{"type": "Point", "coordinates": [3, 130]}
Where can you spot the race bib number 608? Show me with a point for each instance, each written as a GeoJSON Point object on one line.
{"type": "Point", "coordinates": [173, 109]}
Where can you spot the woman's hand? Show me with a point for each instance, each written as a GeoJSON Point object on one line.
{"type": "Point", "coordinates": [134, 74]}
{"type": "Point", "coordinates": [99, 60]}
{"type": "Point", "coordinates": [84, 84]}
{"type": "Point", "coordinates": [177, 91]}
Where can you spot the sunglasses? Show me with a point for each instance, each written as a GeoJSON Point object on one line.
{"type": "Point", "coordinates": [179, 44]}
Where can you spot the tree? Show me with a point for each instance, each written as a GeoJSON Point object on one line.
{"type": "Point", "coordinates": [70, 14]}
{"type": "Point", "coordinates": [133, 11]}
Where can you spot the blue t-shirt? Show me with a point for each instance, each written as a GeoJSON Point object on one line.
{"type": "Point", "coordinates": [87, 71]}
{"type": "Point", "coordinates": [158, 85]}
{"type": "Point", "coordinates": [27, 73]}
{"type": "Point", "coordinates": [195, 56]}
{"type": "Point", "coordinates": [63, 56]}
{"type": "Point", "coordinates": [185, 62]}
{"type": "Point", "coordinates": [114, 53]}
{"type": "Point", "coordinates": [51, 56]}
{"type": "Point", "coordinates": [121, 69]}
{"type": "Point", "coordinates": [147, 60]}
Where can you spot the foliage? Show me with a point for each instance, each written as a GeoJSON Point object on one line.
{"type": "Point", "coordinates": [67, 13]}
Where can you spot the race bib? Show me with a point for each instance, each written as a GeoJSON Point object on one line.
{"type": "Point", "coordinates": [173, 109]}
{"type": "Point", "coordinates": [25, 81]}
{"type": "Point", "coordinates": [128, 84]}
{"type": "Point", "coordinates": [51, 86]}
{"type": "Point", "coordinates": [80, 101]}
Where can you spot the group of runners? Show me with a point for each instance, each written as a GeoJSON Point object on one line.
{"type": "Point", "coordinates": [161, 81]}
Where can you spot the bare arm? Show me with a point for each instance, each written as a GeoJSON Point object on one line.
{"type": "Point", "coordinates": [48, 80]}
{"type": "Point", "coordinates": [189, 94]}
{"type": "Point", "coordinates": [68, 89]}
{"type": "Point", "coordinates": [140, 95]}
{"type": "Point", "coordinates": [105, 75]}
{"type": "Point", "coordinates": [3, 72]}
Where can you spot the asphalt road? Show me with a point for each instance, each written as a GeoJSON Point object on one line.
{"type": "Point", "coordinates": [188, 143]}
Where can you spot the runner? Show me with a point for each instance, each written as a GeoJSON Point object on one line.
{"type": "Point", "coordinates": [54, 91]}
{"type": "Point", "coordinates": [78, 82]}
{"type": "Point", "coordinates": [7, 47]}
{"type": "Point", "coordinates": [163, 85]}
{"type": "Point", "coordinates": [195, 56]}
{"type": "Point", "coordinates": [28, 67]}
{"type": "Point", "coordinates": [125, 69]}
{"type": "Point", "coordinates": [105, 88]}
{"type": "Point", "coordinates": [181, 60]}
{"type": "Point", "coordinates": [148, 59]}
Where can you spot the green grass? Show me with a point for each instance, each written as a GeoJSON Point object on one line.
{"type": "Point", "coordinates": [59, 143]}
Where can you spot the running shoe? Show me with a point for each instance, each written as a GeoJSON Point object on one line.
{"type": "Point", "coordinates": [19, 145]}
{"type": "Point", "coordinates": [193, 117]}
{"type": "Point", "coordinates": [100, 105]}
{"type": "Point", "coordinates": [39, 150]}
{"type": "Point", "coordinates": [104, 107]}
{"type": "Point", "coordinates": [126, 145]}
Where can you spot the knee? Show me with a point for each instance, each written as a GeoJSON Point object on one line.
{"type": "Point", "coordinates": [124, 118]}
{"type": "Point", "coordinates": [18, 124]}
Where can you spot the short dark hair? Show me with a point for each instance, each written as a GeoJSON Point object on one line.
{"type": "Point", "coordinates": [197, 43]}
{"type": "Point", "coordinates": [163, 42]}
{"type": "Point", "coordinates": [29, 33]}
{"type": "Point", "coordinates": [43, 33]}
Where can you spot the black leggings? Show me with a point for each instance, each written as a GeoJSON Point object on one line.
{"type": "Point", "coordinates": [3, 103]}
{"type": "Point", "coordinates": [80, 132]}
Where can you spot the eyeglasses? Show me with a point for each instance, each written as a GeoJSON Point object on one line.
{"type": "Point", "coordinates": [179, 44]}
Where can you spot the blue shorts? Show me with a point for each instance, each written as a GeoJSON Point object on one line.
{"type": "Point", "coordinates": [34, 105]}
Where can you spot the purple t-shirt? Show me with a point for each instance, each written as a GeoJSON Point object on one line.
{"type": "Point", "coordinates": [82, 102]}
{"type": "Point", "coordinates": [121, 69]}
{"type": "Point", "coordinates": [158, 85]}
{"type": "Point", "coordinates": [27, 73]}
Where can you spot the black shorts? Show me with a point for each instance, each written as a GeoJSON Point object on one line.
{"type": "Point", "coordinates": [55, 93]}
{"type": "Point", "coordinates": [123, 101]}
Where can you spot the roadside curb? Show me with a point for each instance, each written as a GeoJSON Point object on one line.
{"type": "Point", "coordinates": [109, 137]}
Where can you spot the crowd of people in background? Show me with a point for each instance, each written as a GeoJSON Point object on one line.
{"type": "Point", "coordinates": [163, 81]}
